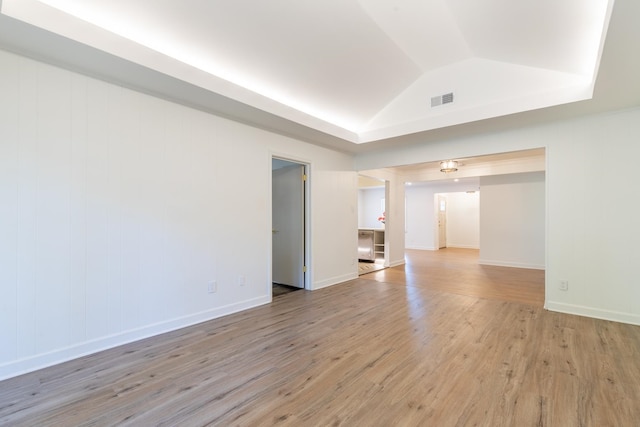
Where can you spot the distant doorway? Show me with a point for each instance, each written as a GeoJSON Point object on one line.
{"type": "Point", "coordinates": [442, 221]}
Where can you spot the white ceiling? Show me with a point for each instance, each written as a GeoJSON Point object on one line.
{"type": "Point", "coordinates": [337, 72]}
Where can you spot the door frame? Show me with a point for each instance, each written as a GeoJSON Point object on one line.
{"type": "Point", "coordinates": [308, 275]}
{"type": "Point", "coordinates": [438, 197]}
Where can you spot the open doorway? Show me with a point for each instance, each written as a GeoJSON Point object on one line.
{"type": "Point", "coordinates": [288, 226]}
{"type": "Point", "coordinates": [372, 208]}
{"type": "Point", "coordinates": [457, 220]}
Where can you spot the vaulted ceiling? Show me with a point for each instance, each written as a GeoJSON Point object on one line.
{"type": "Point", "coordinates": [341, 72]}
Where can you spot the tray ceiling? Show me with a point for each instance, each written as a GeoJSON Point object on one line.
{"type": "Point", "coordinates": [358, 70]}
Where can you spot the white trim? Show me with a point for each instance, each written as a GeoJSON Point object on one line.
{"type": "Point", "coordinates": [462, 246]}
{"type": "Point", "coordinates": [334, 280]}
{"type": "Point", "coordinates": [421, 248]}
{"type": "Point", "coordinates": [510, 264]}
{"type": "Point", "coordinates": [579, 310]}
{"type": "Point", "coordinates": [396, 262]}
{"type": "Point", "coordinates": [44, 360]}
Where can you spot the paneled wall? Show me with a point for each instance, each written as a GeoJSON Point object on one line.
{"type": "Point", "coordinates": [117, 209]}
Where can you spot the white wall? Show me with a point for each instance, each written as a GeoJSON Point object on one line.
{"type": "Point", "coordinates": [592, 217]}
{"type": "Point", "coordinates": [420, 218]}
{"type": "Point", "coordinates": [118, 208]}
{"type": "Point", "coordinates": [512, 228]}
{"type": "Point", "coordinates": [591, 211]}
{"type": "Point", "coordinates": [334, 217]}
{"type": "Point", "coordinates": [463, 220]}
{"type": "Point", "coordinates": [369, 207]}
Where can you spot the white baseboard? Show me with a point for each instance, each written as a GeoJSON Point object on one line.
{"type": "Point", "coordinates": [33, 363]}
{"type": "Point", "coordinates": [510, 264]}
{"type": "Point", "coordinates": [422, 248]}
{"type": "Point", "coordinates": [433, 248]}
{"type": "Point", "coordinates": [396, 262]}
{"type": "Point", "coordinates": [597, 313]}
{"type": "Point", "coordinates": [334, 280]}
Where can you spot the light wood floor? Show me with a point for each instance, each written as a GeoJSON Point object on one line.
{"type": "Point", "coordinates": [457, 271]}
{"type": "Point", "coordinates": [412, 351]}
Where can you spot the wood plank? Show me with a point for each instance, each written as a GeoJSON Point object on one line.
{"type": "Point", "coordinates": [412, 350]}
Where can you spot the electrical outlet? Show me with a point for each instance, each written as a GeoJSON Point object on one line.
{"type": "Point", "coordinates": [212, 287]}
{"type": "Point", "coordinates": [563, 285]}
{"type": "Point", "coordinates": [241, 280]}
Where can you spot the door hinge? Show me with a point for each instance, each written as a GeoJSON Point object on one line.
{"type": "Point", "coordinates": [304, 177]}
{"type": "Point", "coordinates": [304, 268]}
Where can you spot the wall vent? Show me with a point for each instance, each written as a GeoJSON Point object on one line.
{"type": "Point", "coordinates": [447, 98]}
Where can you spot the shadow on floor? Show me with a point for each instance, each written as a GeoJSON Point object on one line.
{"type": "Point", "coordinates": [279, 289]}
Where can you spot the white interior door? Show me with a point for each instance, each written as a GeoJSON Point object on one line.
{"type": "Point", "coordinates": [442, 222]}
{"type": "Point", "coordinates": [288, 225]}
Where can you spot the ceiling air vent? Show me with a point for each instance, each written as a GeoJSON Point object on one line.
{"type": "Point", "coordinates": [447, 98]}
